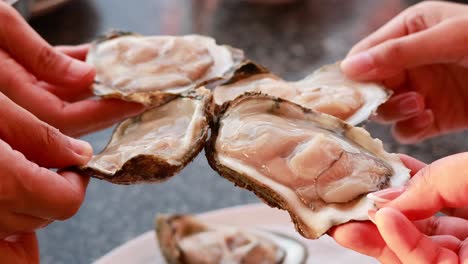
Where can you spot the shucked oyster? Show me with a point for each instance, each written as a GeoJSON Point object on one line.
{"type": "Point", "coordinates": [153, 69]}
{"type": "Point", "coordinates": [156, 144]}
{"type": "Point", "coordinates": [313, 165]}
{"type": "Point", "coordinates": [327, 90]}
{"type": "Point", "coordinates": [184, 239]}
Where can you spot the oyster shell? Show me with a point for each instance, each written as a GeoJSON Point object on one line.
{"type": "Point", "coordinates": [156, 144]}
{"type": "Point", "coordinates": [327, 90]}
{"type": "Point", "coordinates": [154, 69]}
{"type": "Point", "coordinates": [311, 164]}
{"type": "Point", "coordinates": [183, 239]}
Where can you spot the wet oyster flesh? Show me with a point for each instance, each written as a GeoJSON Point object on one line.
{"type": "Point", "coordinates": [313, 165]}
{"type": "Point", "coordinates": [184, 239]}
{"type": "Point", "coordinates": [152, 69]}
{"type": "Point", "coordinates": [327, 90]}
{"type": "Point", "coordinates": [157, 143]}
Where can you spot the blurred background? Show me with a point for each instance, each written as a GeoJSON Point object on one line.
{"type": "Point", "coordinates": [292, 38]}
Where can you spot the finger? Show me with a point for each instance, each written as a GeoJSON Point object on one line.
{"type": "Point", "coordinates": [444, 225]}
{"type": "Point", "coordinates": [463, 252]}
{"type": "Point", "coordinates": [394, 56]}
{"type": "Point", "coordinates": [78, 52]}
{"type": "Point", "coordinates": [87, 116]}
{"type": "Point", "coordinates": [414, 129]}
{"type": "Point", "coordinates": [41, 59]}
{"type": "Point", "coordinates": [20, 249]}
{"type": "Point", "coordinates": [93, 115]}
{"type": "Point", "coordinates": [442, 184]}
{"type": "Point", "coordinates": [13, 224]}
{"type": "Point", "coordinates": [66, 93]}
{"type": "Point", "coordinates": [39, 141]}
{"type": "Point", "coordinates": [400, 107]}
{"type": "Point", "coordinates": [448, 242]}
{"type": "Point", "coordinates": [411, 246]}
{"type": "Point", "coordinates": [395, 28]}
{"type": "Point", "coordinates": [411, 163]}
{"type": "Point", "coordinates": [364, 238]}
{"type": "Point", "coordinates": [32, 190]}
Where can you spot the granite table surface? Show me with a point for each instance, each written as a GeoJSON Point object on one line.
{"type": "Point", "coordinates": [292, 40]}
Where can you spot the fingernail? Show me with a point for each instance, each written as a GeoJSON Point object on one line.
{"type": "Point", "coordinates": [424, 120]}
{"type": "Point", "coordinates": [371, 213]}
{"type": "Point", "coordinates": [79, 69]}
{"type": "Point", "coordinates": [409, 105]}
{"type": "Point", "coordinates": [358, 64]}
{"type": "Point", "coordinates": [81, 148]}
{"type": "Point", "coordinates": [386, 195]}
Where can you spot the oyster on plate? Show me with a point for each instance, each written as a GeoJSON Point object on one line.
{"type": "Point", "coordinates": [311, 164]}
{"type": "Point", "coordinates": [327, 90]}
{"type": "Point", "coordinates": [154, 69]}
{"type": "Point", "coordinates": [184, 239]}
{"type": "Point", "coordinates": [156, 144]}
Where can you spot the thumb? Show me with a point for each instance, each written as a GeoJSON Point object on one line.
{"type": "Point", "coordinates": [19, 249]}
{"type": "Point", "coordinates": [442, 184]}
{"type": "Point", "coordinates": [393, 56]}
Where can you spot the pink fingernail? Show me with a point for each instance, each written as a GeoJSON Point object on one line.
{"type": "Point", "coordinates": [79, 69]}
{"type": "Point", "coordinates": [424, 120]}
{"type": "Point", "coordinates": [81, 148]}
{"type": "Point", "coordinates": [409, 105]}
{"type": "Point", "coordinates": [358, 64]}
{"type": "Point", "coordinates": [371, 213]}
{"type": "Point", "coordinates": [386, 195]}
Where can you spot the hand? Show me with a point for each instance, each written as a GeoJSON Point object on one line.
{"type": "Point", "coordinates": [405, 229]}
{"type": "Point", "coordinates": [423, 56]}
{"type": "Point", "coordinates": [31, 196]}
{"type": "Point", "coordinates": [51, 82]}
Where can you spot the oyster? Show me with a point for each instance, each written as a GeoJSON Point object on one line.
{"type": "Point", "coordinates": [183, 239]}
{"type": "Point", "coordinates": [311, 164]}
{"type": "Point", "coordinates": [156, 144]}
{"type": "Point", "coordinates": [154, 69]}
{"type": "Point", "coordinates": [327, 90]}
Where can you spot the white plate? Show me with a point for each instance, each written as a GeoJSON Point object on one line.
{"type": "Point", "coordinates": [144, 248]}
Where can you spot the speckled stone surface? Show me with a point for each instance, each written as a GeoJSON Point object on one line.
{"type": "Point", "coordinates": [291, 40]}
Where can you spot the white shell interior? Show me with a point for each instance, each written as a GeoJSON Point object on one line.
{"type": "Point", "coordinates": [216, 236]}
{"type": "Point", "coordinates": [167, 132]}
{"type": "Point", "coordinates": [169, 64]}
{"type": "Point", "coordinates": [259, 143]}
{"type": "Point", "coordinates": [327, 90]}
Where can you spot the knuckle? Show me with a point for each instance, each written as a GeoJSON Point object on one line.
{"type": "Point", "coordinates": [391, 53]}
{"type": "Point", "coordinates": [433, 226]}
{"type": "Point", "coordinates": [50, 137]}
{"type": "Point", "coordinates": [46, 58]}
{"type": "Point", "coordinates": [415, 22]}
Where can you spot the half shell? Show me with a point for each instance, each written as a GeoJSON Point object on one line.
{"type": "Point", "coordinates": [156, 144]}
{"type": "Point", "coordinates": [327, 90]}
{"type": "Point", "coordinates": [184, 239]}
{"type": "Point", "coordinates": [154, 69]}
{"type": "Point", "coordinates": [313, 165]}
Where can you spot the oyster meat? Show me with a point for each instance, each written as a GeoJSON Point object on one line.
{"type": "Point", "coordinates": [156, 144]}
{"type": "Point", "coordinates": [153, 69]}
{"type": "Point", "coordinates": [184, 239]}
{"type": "Point", "coordinates": [311, 164]}
{"type": "Point", "coordinates": [327, 90]}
